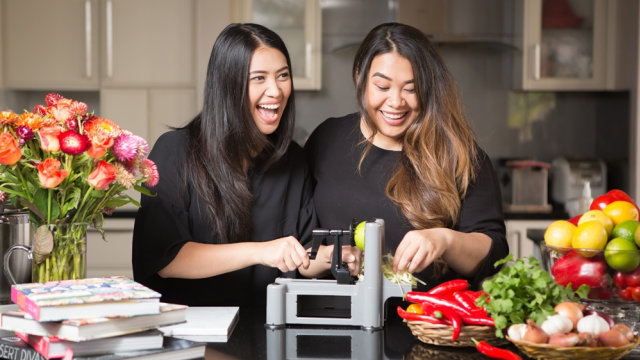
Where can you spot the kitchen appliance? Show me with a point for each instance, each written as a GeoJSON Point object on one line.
{"type": "Point", "coordinates": [568, 178]}
{"type": "Point", "coordinates": [343, 301]}
{"type": "Point", "coordinates": [524, 186]}
{"type": "Point", "coordinates": [14, 230]}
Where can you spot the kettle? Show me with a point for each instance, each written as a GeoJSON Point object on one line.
{"type": "Point", "coordinates": [14, 230]}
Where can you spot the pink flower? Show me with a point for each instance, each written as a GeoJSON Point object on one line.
{"type": "Point", "coordinates": [73, 143]}
{"type": "Point", "coordinates": [52, 98]}
{"type": "Point", "coordinates": [102, 175]}
{"type": "Point", "coordinates": [50, 174]}
{"type": "Point", "coordinates": [125, 147]}
{"type": "Point", "coordinates": [150, 172]}
{"type": "Point", "coordinates": [9, 150]}
{"type": "Point", "coordinates": [49, 138]}
{"type": "Point", "coordinates": [78, 108]}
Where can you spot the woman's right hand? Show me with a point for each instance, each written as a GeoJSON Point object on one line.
{"type": "Point", "coordinates": [286, 254]}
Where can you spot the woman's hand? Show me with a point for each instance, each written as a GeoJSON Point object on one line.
{"type": "Point", "coordinates": [286, 254]}
{"type": "Point", "coordinates": [321, 266]}
{"type": "Point", "coordinates": [419, 248]}
{"type": "Point", "coordinates": [352, 256]}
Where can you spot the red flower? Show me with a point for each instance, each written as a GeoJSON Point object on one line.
{"type": "Point", "coordinates": [52, 98]}
{"type": "Point", "coordinates": [9, 150]}
{"type": "Point", "coordinates": [73, 143]}
{"type": "Point", "coordinates": [102, 175]}
{"type": "Point", "coordinates": [50, 174]}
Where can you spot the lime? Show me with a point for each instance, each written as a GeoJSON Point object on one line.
{"type": "Point", "coordinates": [559, 234]}
{"type": "Point", "coordinates": [597, 215]}
{"type": "Point", "coordinates": [619, 211]}
{"type": "Point", "coordinates": [626, 229]}
{"type": "Point", "coordinates": [589, 235]}
{"type": "Point", "coordinates": [621, 254]}
{"type": "Point", "coordinates": [358, 235]}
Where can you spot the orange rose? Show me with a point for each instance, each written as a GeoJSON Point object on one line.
{"type": "Point", "coordinates": [102, 175]}
{"type": "Point", "coordinates": [50, 174]}
{"type": "Point", "coordinates": [100, 142]}
{"type": "Point", "coordinates": [49, 138]}
{"type": "Point", "coordinates": [9, 150]}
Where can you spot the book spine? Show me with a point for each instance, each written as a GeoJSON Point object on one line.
{"type": "Point", "coordinates": [17, 350]}
{"type": "Point", "coordinates": [39, 344]}
{"type": "Point", "coordinates": [25, 303]}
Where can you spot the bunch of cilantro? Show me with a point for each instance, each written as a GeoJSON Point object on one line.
{"type": "Point", "coordinates": [522, 290]}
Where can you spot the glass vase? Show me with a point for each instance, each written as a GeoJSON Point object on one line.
{"type": "Point", "coordinates": [67, 259]}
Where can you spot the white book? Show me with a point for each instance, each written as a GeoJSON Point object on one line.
{"type": "Point", "coordinates": [205, 324]}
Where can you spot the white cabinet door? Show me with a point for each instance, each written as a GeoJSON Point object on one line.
{"type": "Point", "coordinates": [299, 23]}
{"type": "Point", "coordinates": [112, 255]}
{"type": "Point", "coordinates": [89, 44]}
{"type": "Point", "coordinates": [50, 44]}
{"type": "Point", "coordinates": [559, 52]}
{"type": "Point", "coordinates": [147, 42]}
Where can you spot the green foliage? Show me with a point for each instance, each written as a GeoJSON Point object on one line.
{"type": "Point", "coordinates": [521, 290]}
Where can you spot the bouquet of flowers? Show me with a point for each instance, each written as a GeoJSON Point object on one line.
{"type": "Point", "coordinates": [68, 167]}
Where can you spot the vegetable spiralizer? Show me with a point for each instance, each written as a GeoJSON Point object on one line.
{"type": "Point", "coordinates": [342, 301]}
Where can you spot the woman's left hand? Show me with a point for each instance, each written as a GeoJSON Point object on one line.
{"type": "Point", "coordinates": [419, 248]}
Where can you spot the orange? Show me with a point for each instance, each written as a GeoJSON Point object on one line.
{"type": "Point", "coordinates": [559, 234]}
{"type": "Point", "coordinates": [589, 235]}
{"type": "Point", "coordinates": [619, 211]}
{"type": "Point", "coordinates": [600, 216]}
{"type": "Point", "coordinates": [626, 229]}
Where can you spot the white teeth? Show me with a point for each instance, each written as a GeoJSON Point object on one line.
{"type": "Point", "coordinates": [269, 106]}
{"type": "Point", "coordinates": [393, 116]}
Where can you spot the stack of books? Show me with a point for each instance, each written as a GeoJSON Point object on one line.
{"type": "Point", "coordinates": [96, 317]}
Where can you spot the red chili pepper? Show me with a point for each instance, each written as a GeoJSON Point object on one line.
{"type": "Point", "coordinates": [466, 300]}
{"type": "Point", "coordinates": [456, 321]}
{"type": "Point", "coordinates": [495, 352]}
{"type": "Point", "coordinates": [448, 287]}
{"type": "Point", "coordinates": [481, 320]}
{"type": "Point", "coordinates": [420, 297]}
{"type": "Point", "coordinates": [421, 317]}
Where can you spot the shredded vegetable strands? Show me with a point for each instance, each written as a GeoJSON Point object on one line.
{"type": "Point", "coordinates": [404, 277]}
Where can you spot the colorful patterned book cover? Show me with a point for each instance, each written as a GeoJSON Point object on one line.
{"type": "Point", "coordinates": [47, 301]}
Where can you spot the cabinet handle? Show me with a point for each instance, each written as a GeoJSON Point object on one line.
{"type": "Point", "coordinates": [109, 35]}
{"type": "Point", "coordinates": [536, 61]}
{"type": "Point", "coordinates": [308, 60]}
{"type": "Point", "coordinates": [87, 38]}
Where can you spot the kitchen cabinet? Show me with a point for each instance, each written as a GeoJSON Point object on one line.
{"type": "Point", "coordinates": [89, 44]}
{"type": "Point", "coordinates": [567, 45]}
{"type": "Point", "coordinates": [519, 244]}
{"type": "Point", "coordinates": [111, 255]}
{"type": "Point", "coordinates": [299, 23]}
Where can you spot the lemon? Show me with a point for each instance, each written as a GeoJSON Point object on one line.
{"type": "Point", "coordinates": [600, 216]}
{"type": "Point", "coordinates": [590, 235]}
{"type": "Point", "coordinates": [358, 235]}
{"type": "Point", "coordinates": [626, 229]}
{"type": "Point", "coordinates": [619, 211]}
{"type": "Point", "coordinates": [559, 234]}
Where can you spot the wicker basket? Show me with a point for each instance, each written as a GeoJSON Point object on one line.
{"type": "Point", "coordinates": [545, 351]}
{"type": "Point", "coordinates": [437, 334]}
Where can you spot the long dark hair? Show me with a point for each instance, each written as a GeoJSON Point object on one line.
{"type": "Point", "coordinates": [439, 153]}
{"type": "Point", "coordinates": [223, 138]}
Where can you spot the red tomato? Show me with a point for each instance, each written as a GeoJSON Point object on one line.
{"type": "Point", "coordinates": [601, 202]}
{"type": "Point", "coordinates": [625, 294]}
{"type": "Point", "coordinates": [574, 220]}
{"type": "Point", "coordinates": [632, 278]}
{"type": "Point", "coordinates": [619, 279]}
{"type": "Point", "coordinates": [635, 293]}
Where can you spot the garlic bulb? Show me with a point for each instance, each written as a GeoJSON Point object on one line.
{"type": "Point", "coordinates": [557, 324]}
{"type": "Point", "coordinates": [592, 324]}
{"type": "Point", "coordinates": [516, 331]}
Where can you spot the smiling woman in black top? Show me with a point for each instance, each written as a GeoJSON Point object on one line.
{"type": "Point", "coordinates": [234, 196]}
{"type": "Point", "coordinates": [409, 157]}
